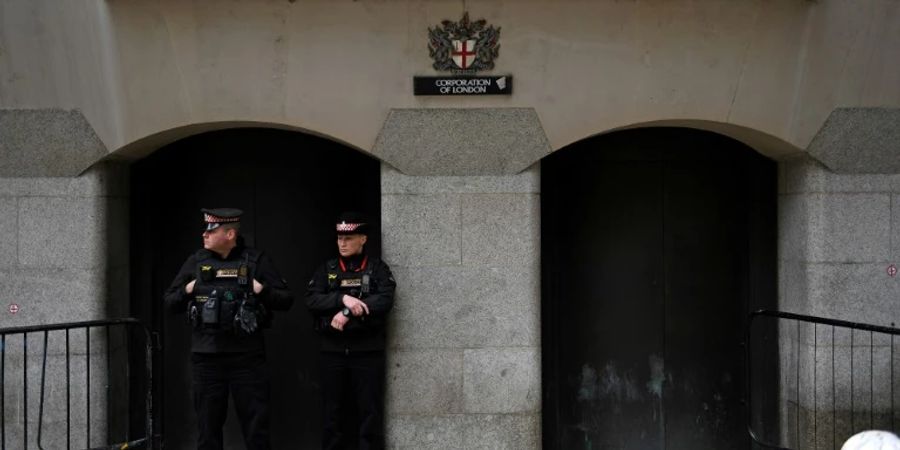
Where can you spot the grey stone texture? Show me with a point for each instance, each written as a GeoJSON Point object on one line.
{"type": "Point", "coordinates": [422, 230]}
{"type": "Point", "coordinates": [51, 295]}
{"type": "Point", "coordinates": [394, 182]}
{"type": "Point", "coordinates": [502, 380]}
{"type": "Point", "coordinates": [895, 227]}
{"type": "Point", "coordinates": [852, 227]}
{"type": "Point", "coordinates": [63, 258]}
{"type": "Point", "coordinates": [837, 238]}
{"type": "Point", "coordinates": [827, 227]}
{"type": "Point", "coordinates": [500, 230]}
{"type": "Point", "coordinates": [838, 396]}
{"type": "Point", "coordinates": [465, 307]}
{"type": "Point", "coordinates": [462, 142]}
{"type": "Point", "coordinates": [61, 232]}
{"type": "Point", "coordinates": [459, 431]}
{"type": "Point", "coordinates": [859, 140]}
{"type": "Point", "coordinates": [54, 394]}
{"type": "Point", "coordinates": [806, 175]}
{"type": "Point", "coordinates": [464, 345]}
{"type": "Point", "coordinates": [425, 381]}
{"type": "Point", "coordinates": [855, 292]}
{"type": "Point", "coordinates": [47, 143]}
{"type": "Point", "coordinates": [9, 224]}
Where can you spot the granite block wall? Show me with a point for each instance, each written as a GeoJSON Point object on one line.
{"type": "Point", "coordinates": [838, 236]}
{"type": "Point", "coordinates": [63, 258]}
{"type": "Point", "coordinates": [464, 358]}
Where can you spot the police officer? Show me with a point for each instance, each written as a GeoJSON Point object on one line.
{"type": "Point", "coordinates": [349, 298]}
{"type": "Point", "coordinates": [228, 291]}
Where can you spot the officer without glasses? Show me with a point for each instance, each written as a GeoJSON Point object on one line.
{"type": "Point", "coordinates": [350, 297]}
{"type": "Point", "coordinates": [228, 291]}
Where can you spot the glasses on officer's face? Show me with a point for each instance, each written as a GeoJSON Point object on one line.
{"type": "Point", "coordinates": [212, 231]}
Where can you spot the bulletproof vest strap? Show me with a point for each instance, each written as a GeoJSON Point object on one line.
{"type": "Point", "coordinates": [367, 277]}
{"type": "Point", "coordinates": [243, 277]}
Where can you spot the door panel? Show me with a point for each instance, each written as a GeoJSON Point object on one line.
{"type": "Point", "coordinates": [645, 239]}
{"type": "Point", "coordinates": [705, 249]}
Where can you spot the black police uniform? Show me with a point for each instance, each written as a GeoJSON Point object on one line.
{"type": "Point", "coordinates": [352, 360]}
{"type": "Point", "coordinates": [225, 356]}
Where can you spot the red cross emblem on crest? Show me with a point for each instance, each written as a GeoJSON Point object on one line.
{"type": "Point", "coordinates": [463, 53]}
{"type": "Point", "coordinates": [892, 270]}
{"type": "Point", "coordinates": [467, 45]}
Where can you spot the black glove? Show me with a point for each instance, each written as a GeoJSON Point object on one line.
{"type": "Point", "coordinates": [194, 315]}
{"type": "Point", "coordinates": [246, 319]}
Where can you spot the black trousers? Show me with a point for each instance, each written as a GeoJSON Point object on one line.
{"type": "Point", "coordinates": [246, 377]}
{"type": "Point", "coordinates": [353, 380]}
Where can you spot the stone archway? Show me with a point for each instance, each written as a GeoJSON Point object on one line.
{"type": "Point", "coordinates": [291, 186]}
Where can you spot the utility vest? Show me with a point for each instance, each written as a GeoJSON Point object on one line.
{"type": "Point", "coordinates": [355, 284]}
{"type": "Point", "coordinates": [221, 287]}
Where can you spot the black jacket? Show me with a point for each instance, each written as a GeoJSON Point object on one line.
{"type": "Point", "coordinates": [324, 298]}
{"type": "Point", "coordinates": [275, 296]}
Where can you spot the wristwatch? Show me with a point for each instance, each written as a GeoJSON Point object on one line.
{"type": "Point", "coordinates": [346, 312]}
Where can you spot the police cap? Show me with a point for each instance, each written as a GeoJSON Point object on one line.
{"type": "Point", "coordinates": [215, 217]}
{"type": "Point", "coordinates": [352, 222]}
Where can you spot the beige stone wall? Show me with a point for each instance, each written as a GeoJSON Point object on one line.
{"type": "Point", "coordinates": [769, 72]}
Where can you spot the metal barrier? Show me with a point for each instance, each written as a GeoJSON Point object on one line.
{"type": "Point", "coordinates": [126, 324]}
{"type": "Point", "coordinates": [791, 352]}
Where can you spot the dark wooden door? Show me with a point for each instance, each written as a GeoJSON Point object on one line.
{"type": "Point", "coordinates": [655, 245]}
{"type": "Point", "coordinates": [291, 186]}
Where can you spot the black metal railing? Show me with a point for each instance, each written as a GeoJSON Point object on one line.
{"type": "Point", "coordinates": [123, 360]}
{"type": "Point", "coordinates": [798, 340]}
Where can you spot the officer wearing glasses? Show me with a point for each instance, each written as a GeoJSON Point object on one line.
{"type": "Point", "coordinates": [228, 292]}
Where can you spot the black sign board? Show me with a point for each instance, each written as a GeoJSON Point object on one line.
{"type": "Point", "coordinates": [463, 85]}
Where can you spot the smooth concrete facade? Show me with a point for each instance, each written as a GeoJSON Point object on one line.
{"type": "Point", "coordinates": [772, 71]}
{"type": "Point", "coordinates": [815, 85]}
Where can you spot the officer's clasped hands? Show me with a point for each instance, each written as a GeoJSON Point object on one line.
{"type": "Point", "coordinates": [357, 307]}
{"type": "Point", "coordinates": [352, 307]}
{"type": "Point", "coordinates": [339, 320]}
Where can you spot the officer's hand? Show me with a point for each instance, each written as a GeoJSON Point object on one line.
{"type": "Point", "coordinates": [339, 320]}
{"type": "Point", "coordinates": [357, 307]}
{"type": "Point", "coordinates": [189, 288]}
{"type": "Point", "coordinates": [257, 286]}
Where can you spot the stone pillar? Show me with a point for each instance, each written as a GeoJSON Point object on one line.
{"type": "Point", "coordinates": [461, 225]}
{"type": "Point", "coordinates": [464, 361]}
{"type": "Point", "coordinates": [838, 234]}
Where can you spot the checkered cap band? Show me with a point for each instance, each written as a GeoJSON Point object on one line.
{"type": "Point", "coordinates": [348, 227]}
{"type": "Point", "coordinates": [210, 218]}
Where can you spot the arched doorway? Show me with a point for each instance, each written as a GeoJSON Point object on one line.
{"type": "Point", "coordinates": [291, 186]}
{"type": "Point", "coordinates": [655, 244]}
